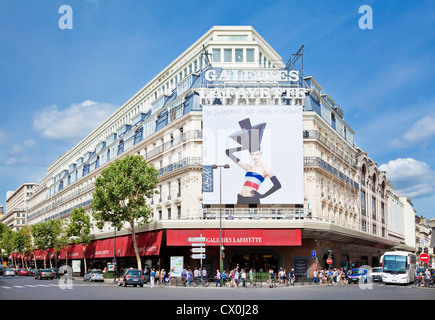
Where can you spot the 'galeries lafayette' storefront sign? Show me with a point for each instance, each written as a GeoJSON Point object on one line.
{"type": "Point", "coordinates": [236, 237]}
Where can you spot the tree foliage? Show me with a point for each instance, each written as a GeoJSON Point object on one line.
{"type": "Point", "coordinates": [120, 195]}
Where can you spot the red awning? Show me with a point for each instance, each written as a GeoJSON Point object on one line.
{"type": "Point", "coordinates": [40, 254]}
{"type": "Point", "coordinates": [73, 251]}
{"type": "Point", "coordinates": [148, 244]}
{"type": "Point", "coordinates": [236, 237]}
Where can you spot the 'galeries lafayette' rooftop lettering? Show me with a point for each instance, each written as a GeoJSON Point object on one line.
{"type": "Point", "coordinates": [296, 95]}
{"type": "Point", "coordinates": [252, 75]}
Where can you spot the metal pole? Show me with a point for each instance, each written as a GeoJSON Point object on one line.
{"type": "Point", "coordinates": [114, 258]}
{"type": "Point", "coordinates": [220, 220]}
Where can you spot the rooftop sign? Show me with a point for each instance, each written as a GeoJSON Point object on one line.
{"type": "Point", "coordinates": [258, 75]}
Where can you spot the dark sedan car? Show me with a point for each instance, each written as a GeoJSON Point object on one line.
{"type": "Point", "coordinates": [131, 277]}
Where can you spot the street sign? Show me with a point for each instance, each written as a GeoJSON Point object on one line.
{"type": "Point", "coordinates": [198, 250]}
{"type": "Point", "coordinates": [313, 254]}
{"type": "Point", "coordinates": [198, 256]}
{"type": "Point", "coordinates": [197, 244]}
{"type": "Point", "coordinates": [424, 257]}
{"type": "Point", "coordinates": [328, 261]}
{"type": "Point", "coordinates": [196, 239]}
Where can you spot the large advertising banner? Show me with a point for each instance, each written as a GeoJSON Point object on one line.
{"type": "Point", "coordinates": [264, 148]}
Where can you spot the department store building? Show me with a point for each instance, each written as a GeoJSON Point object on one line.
{"type": "Point", "coordinates": [296, 187]}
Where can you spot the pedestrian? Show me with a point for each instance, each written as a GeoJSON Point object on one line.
{"type": "Point", "coordinates": [218, 278]}
{"type": "Point", "coordinates": [243, 278]}
{"type": "Point", "coordinates": [315, 277]}
{"type": "Point", "coordinates": [426, 278]}
{"type": "Point", "coordinates": [271, 278]}
{"type": "Point", "coordinates": [152, 275]}
{"type": "Point", "coordinates": [231, 276]}
{"type": "Point", "coordinates": [158, 276]}
{"type": "Point", "coordinates": [251, 275]}
{"type": "Point", "coordinates": [292, 276]}
{"type": "Point", "coordinates": [189, 277]}
{"type": "Point", "coordinates": [183, 276]}
{"type": "Point", "coordinates": [204, 274]}
{"type": "Point", "coordinates": [162, 276]}
{"type": "Point", "coordinates": [236, 276]}
{"type": "Point", "coordinates": [224, 277]}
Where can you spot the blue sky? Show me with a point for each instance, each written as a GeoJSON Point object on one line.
{"type": "Point", "coordinates": [381, 78]}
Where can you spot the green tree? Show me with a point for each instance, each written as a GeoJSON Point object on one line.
{"type": "Point", "coordinates": [3, 230]}
{"type": "Point", "coordinates": [121, 192]}
{"type": "Point", "coordinates": [41, 237]}
{"type": "Point", "coordinates": [79, 229]}
{"type": "Point", "coordinates": [27, 233]}
{"type": "Point", "coordinates": [19, 240]}
{"type": "Point", "coordinates": [58, 239]}
{"type": "Point", "coordinates": [7, 242]}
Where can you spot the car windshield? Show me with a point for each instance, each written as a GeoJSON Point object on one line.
{"type": "Point", "coordinates": [97, 272]}
{"type": "Point", "coordinates": [377, 270]}
{"type": "Point", "coordinates": [357, 272]}
{"type": "Point", "coordinates": [46, 270]}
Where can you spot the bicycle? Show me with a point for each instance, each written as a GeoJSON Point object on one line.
{"type": "Point", "coordinates": [202, 281]}
{"type": "Point", "coordinates": [254, 283]}
{"type": "Point", "coordinates": [330, 281]}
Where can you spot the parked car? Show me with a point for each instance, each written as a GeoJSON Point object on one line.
{"type": "Point", "coordinates": [55, 273]}
{"type": "Point", "coordinates": [376, 274]}
{"type": "Point", "coordinates": [9, 273]}
{"type": "Point", "coordinates": [358, 275]}
{"type": "Point", "coordinates": [23, 272]}
{"type": "Point", "coordinates": [44, 274]}
{"type": "Point", "coordinates": [131, 277]}
{"type": "Point", "coordinates": [94, 275]}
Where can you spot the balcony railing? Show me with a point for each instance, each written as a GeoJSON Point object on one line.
{"type": "Point", "coordinates": [318, 162]}
{"type": "Point", "coordinates": [257, 213]}
{"type": "Point", "coordinates": [186, 162]}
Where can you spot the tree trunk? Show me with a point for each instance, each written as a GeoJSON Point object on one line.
{"type": "Point", "coordinates": [84, 258]}
{"type": "Point", "coordinates": [34, 259]}
{"type": "Point", "coordinates": [133, 234]}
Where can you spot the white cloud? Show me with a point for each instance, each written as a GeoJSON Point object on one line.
{"type": "Point", "coordinates": [74, 123]}
{"type": "Point", "coordinates": [410, 177]}
{"type": "Point", "coordinates": [3, 137]}
{"type": "Point", "coordinates": [420, 132]}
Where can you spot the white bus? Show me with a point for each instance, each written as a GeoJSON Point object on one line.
{"type": "Point", "coordinates": [398, 267]}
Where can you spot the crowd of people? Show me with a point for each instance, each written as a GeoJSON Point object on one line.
{"type": "Point", "coordinates": [240, 276]}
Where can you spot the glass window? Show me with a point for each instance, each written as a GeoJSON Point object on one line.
{"type": "Point", "coordinates": [232, 37]}
{"type": "Point", "coordinates": [249, 55]}
{"type": "Point", "coordinates": [228, 55]}
{"type": "Point", "coordinates": [216, 55]}
{"type": "Point", "coordinates": [239, 55]}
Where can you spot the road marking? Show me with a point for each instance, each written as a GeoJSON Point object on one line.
{"type": "Point", "coordinates": [4, 287]}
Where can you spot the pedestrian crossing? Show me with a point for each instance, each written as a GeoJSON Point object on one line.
{"type": "Point", "coordinates": [51, 285]}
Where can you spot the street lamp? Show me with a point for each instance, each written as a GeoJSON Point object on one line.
{"type": "Point", "coordinates": [225, 166]}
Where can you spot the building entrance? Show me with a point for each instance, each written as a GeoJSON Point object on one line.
{"type": "Point", "coordinates": [261, 259]}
